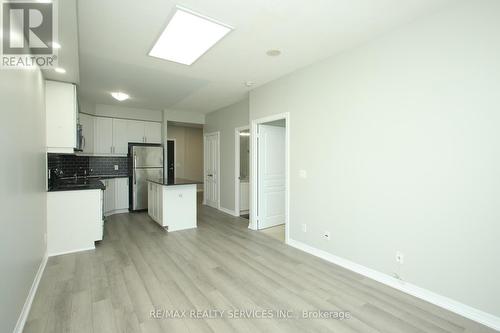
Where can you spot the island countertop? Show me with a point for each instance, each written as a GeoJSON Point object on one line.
{"type": "Point", "coordinates": [173, 182]}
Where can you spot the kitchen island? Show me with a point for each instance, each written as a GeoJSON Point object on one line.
{"type": "Point", "coordinates": [172, 203]}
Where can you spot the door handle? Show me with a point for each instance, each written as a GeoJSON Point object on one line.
{"type": "Point", "coordinates": [135, 165]}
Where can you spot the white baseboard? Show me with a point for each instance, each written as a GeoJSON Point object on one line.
{"type": "Point", "coordinates": [117, 211]}
{"type": "Point", "coordinates": [244, 211]}
{"type": "Point", "coordinates": [72, 251]}
{"type": "Point", "coordinates": [21, 321]}
{"type": "Point", "coordinates": [228, 211]}
{"type": "Point", "coordinates": [408, 288]}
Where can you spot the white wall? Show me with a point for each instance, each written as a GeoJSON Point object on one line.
{"type": "Point", "coordinates": [188, 151]}
{"type": "Point", "coordinates": [183, 116]}
{"type": "Point", "coordinates": [400, 139]}
{"type": "Point", "coordinates": [22, 193]}
{"type": "Point", "coordinates": [225, 121]}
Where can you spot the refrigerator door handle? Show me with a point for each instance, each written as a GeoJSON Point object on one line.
{"type": "Point", "coordinates": [135, 164]}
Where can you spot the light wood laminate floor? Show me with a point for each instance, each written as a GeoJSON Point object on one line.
{"type": "Point", "coordinates": [221, 265]}
{"type": "Point", "coordinates": [277, 232]}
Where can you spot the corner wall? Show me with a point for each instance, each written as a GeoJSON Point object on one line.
{"type": "Point", "coordinates": [22, 193]}
{"type": "Point", "coordinates": [225, 121]}
{"type": "Point", "coordinates": [400, 141]}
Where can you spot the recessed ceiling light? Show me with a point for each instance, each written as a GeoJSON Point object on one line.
{"type": "Point", "coordinates": [188, 36]}
{"type": "Point", "coordinates": [120, 96]}
{"type": "Point", "coordinates": [55, 45]}
{"type": "Point", "coordinates": [60, 70]}
{"type": "Point", "coordinates": [249, 83]}
{"type": "Point", "coordinates": [273, 53]}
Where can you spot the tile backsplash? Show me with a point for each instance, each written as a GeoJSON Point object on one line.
{"type": "Point", "coordinates": [95, 165]}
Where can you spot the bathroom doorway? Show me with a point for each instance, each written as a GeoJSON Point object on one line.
{"type": "Point", "coordinates": [242, 171]}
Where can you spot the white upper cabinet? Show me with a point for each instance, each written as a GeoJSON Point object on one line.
{"type": "Point", "coordinates": [152, 132]}
{"type": "Point", "coordinates": [103, 135]}
{"type": "Point", "coordinates": [120, 137]}
{"type": "Point", "coordinates": [61, 116]}
{"type": "Point", "coordinates": [135, 131]}
{"type": "Point", "coordinates": [88, 129]}
{"type": "Point", "coordinates": [111, 136]}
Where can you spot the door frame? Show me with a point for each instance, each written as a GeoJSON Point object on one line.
{"type": "Point", "coordinates": [254, 218]}
{"type": "Point", "coordinates": [237, 198]}
{"type": "Point", "coordinates": [175, 157]}
{"type": "Point", "coordinates": [218, 167]}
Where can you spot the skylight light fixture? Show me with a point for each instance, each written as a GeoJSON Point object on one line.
{"type": "Point", "coordinates": [120, 96]}
{"type": "Point", "coordinates": [188, 36]}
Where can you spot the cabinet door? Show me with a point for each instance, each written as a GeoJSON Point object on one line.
{"type": "Point", "coordinates": [135, 131]}
{"type": "Point", "coordinates": [103, 135]}
{"type": "Point", "coordinates": [152, 132]}
{"type": "Point", "coordinates": [61, 114]}
{"type": "Point", "coordinates": [120, 140]}
{"type": "Point", "coordinates": [121, 193]}
{"type": "Point", "coordinates": [88, 128]}
{"type": "Point", "coordinates": [109, 196]}
{"type": "Point", "coordinates": [150, 196]}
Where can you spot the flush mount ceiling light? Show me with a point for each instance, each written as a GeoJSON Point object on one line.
{"type": "Point", "coordinates": [119, 96]}
{"type": "Point", "coordinates": [273, 53]}
{"type": "Point", "coordinates": [60, 70]}
{"type": "Point", "coordinates": [188, 36]}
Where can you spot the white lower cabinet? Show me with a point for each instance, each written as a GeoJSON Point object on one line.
{"type": "Point", "coordinates": [173, 207]}
{"type": "Point", "coordinates": [155, 202]}
{"type": "Point", "coordinates": [116, 196]}
{"type": "Point", "coordinates": [68, 231]}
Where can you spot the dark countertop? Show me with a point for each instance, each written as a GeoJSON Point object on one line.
{"type": "Point", "coordinates": [78, 185]}
{"type": "Point", "coordinates": [89, 183]}
{"type": "Point", "coordinates": [173, 182]}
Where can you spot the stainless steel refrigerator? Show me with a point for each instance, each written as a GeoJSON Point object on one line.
{"type": "Point", "coordinates": [147, 163]}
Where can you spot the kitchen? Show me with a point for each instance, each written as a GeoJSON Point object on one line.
{"type": "Point", "coordinates": [106, 165]}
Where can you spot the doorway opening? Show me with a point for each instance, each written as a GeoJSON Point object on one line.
{"type": "Point", "coordinates": [170, 159]}
{"type": "Point", "coordinates": [242, 172]}
{"type": "Point", "coordinates": [269, 210]}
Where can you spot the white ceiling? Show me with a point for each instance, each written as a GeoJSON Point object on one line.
{"type": "Point", "coordinates": [68, 37]}
{"type": "Point", "coordinates": [115, 37]}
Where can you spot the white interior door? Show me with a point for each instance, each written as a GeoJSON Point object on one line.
{"type": "Point", "coordinates": [271, 176]}
{"type": "Point", "coordinates": [211, 170]}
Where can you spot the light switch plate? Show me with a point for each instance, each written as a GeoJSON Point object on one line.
{"type": "Point", "coordinates": [303, 174]}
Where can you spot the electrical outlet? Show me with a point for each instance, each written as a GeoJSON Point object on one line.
{"type": "Point", "coordinates": [400, 257]}
{"type": "Point", "coordinates": [116, 167]}
{"type": "Point", "coordinates": [326, 235]}
{"type": "Point", "coordinates": [304, 227]}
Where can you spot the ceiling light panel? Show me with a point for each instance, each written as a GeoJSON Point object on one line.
{"type": "Point", "coordinates": [188, 36]}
